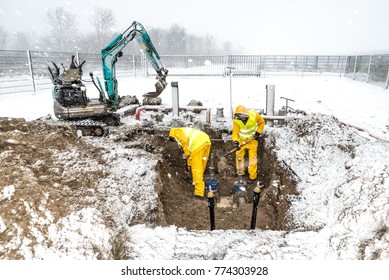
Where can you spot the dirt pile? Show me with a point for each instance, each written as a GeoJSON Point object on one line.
{"type": "Point", "coordinates": [34, 177]}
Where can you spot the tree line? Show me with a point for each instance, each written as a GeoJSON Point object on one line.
{"type": "Point", "coordinates": [64, 36]}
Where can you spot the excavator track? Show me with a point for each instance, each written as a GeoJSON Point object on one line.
{"type": "Point", "coordinates": [89, 127]}
{"type": "Point", "coordinates": [110, 119]}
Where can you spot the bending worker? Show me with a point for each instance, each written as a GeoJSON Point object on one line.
{"type": "Point", "coordinates": [196, 146]}
{"type": "Point", "coordinates": [246, 131]}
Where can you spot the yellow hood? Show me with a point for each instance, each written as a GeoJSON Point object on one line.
{"type": "Point", "coordinates": [173, 133]}
{"type": "Point", "coordinates": [240, 109]}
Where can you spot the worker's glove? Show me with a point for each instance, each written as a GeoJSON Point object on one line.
{"type": "Point", "coordinates": [257, 135]}
{"type": "Point", "coordinates": [236, 145]}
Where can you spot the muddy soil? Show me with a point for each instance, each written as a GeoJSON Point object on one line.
{"type": "Point", "coordinates": [183, 210]}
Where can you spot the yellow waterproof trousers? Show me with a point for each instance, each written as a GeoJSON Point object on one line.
{"type": "Point", "coordinates": [253, 163]}
{"type": "Point", "coordinates": [197, 161]}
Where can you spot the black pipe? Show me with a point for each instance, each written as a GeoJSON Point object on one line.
{"type": "Point", "coordinates": [257, 192]}
{"type": "Point", "coordinates": [211, 205]}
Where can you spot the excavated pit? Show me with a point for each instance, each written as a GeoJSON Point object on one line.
{"type": "Point", "coordinates": [179, 207]}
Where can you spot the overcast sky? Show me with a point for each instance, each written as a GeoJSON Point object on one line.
{"type": "Point", "coordinates": [259, 26]}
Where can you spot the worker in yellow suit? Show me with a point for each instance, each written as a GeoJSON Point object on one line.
{"type": "Point", "coordinates": [196, 146]}
{"type": "Point", "coordinates": [246, 130]}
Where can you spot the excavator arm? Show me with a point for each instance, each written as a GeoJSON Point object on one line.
{"type": "Point", "coordinates": [111, 53]}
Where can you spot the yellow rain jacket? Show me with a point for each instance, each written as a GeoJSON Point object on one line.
{"type": "Point", "coordinates": [244, 132]}
{"type": "Point", "coordinates": [197, 146]}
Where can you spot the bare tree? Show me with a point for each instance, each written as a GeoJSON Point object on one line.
{"type": "Point", "coordinates": [3, 38]}
{"type": "Point", "coordinates": [211, 42]}
{"type": "Point", "coordinates": [159, 38]}
{"type": "Point", "coordinates": [21, 41]}
{"type": "Point", "coordinates": [227, 47]}
{"type": "Point", "coordinates": [63, 32]}
{"type": "Point", "coordinates": [102, 21]}
{"type": "Point", "coordinates": [176, 38]}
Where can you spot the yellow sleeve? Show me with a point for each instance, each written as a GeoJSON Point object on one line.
{"type": "Point", "coordinates": [183, 141]}
{"type": "Point", "coordinates": [235, 131]}
{"type": "Point", "coordinates": [260, 122]}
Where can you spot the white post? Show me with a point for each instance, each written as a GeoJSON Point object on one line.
{"type": "Point", "coordinates": [175, 101]}
{"type": "Point", "coordinates": [270, 100]}
{"type": "Point", "coordinates": [31, 70]}
{"type": "Point", "coordinates": [230, 72]}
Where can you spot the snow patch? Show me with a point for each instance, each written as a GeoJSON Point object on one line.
{"type": "Point", "coordinates": [7, 193]}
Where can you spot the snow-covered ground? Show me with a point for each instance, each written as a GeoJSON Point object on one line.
{"type": "Point", "coordinates": [343, 208]}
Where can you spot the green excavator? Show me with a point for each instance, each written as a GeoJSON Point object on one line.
{"type": "Point", "coordinates": [92, 115]}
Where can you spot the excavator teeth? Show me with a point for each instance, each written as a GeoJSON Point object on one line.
{"type": "Point", "coordinates": [151, 94]}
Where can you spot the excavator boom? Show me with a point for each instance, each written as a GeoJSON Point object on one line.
{"type": "Point", "coordinates": [111, 53]}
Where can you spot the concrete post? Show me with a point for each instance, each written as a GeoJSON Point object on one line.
{"type": "Point", "coordinates": [270, 99]}
{"type": "Point", "coordinates": [175, 99]}
{"type": "Point", "coordinates": [230, 74]}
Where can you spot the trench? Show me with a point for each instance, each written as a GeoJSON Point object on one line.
{"type": "Point", "coordinates": [178, 207]}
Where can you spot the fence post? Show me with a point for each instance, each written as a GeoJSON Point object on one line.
{"type": "Point", "coordinates": [226, 58]}
{"type": "Point", "coordinates": [144, 65]}
{"type": "Point", "coordinates": [262, 63]}
{"type": "Point", "coordinates": [31, 70]}
{"type": "Point", "coordinates": [341, 66]}
{"type": "Point", "coordinates": [368, 69]}
{"type": "Point", "coordinates": [355, 66]}
{"type": "Point", "coordinates": [387, 80]}
{"type": "Point", "coordinates": [134, 64]}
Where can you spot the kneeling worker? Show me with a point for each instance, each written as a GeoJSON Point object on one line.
{"type": "Point", "coordinates": [246, 130]}
{"type": "Point", "coordinates": [196, 146]}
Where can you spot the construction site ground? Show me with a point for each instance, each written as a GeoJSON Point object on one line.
{"type": "Point", "coordinates": [32, 171]}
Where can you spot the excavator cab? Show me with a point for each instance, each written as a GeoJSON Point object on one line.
{"type": "Point", "coordinates": [68, 89]}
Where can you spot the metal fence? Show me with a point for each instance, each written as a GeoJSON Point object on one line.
{"type": "Point", "coordinates": [369, 68]}
{"type": "Point", "coordinates": [27, 70]}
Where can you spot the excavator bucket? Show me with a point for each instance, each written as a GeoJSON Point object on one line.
{"type": "Point", "coordinates": [160, 85]}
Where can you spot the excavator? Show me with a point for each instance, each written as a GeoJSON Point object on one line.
{"type": "Point", "coordinates": [91, 116]}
